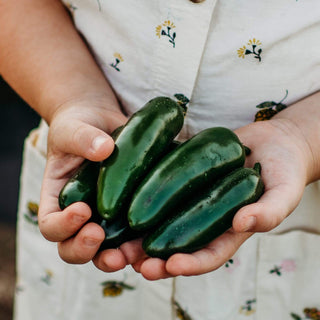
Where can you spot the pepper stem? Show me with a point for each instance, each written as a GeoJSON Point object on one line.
{"type": "Point", "coordinates": [257, 167]}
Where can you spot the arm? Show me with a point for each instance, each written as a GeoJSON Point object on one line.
{"type": "Point", "coordinates": [296, 159]}
{"type": "Point", "coordinates": [45, 60]}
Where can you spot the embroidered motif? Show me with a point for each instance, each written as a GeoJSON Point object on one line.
{"type": "Point", "coordinates": [254, 49]}
{"type": "Point", "coordinates": [287, 265]}
{"type": "Point", "coordinates": [228, 263]}
{"type": "Point", "coordinates": [232, 264]}
{"type": "Point", "coordinates": [295, 316]}
{"type": "Point", "coordinates": [160, 31]}
{"type": "Point", "coordinates": [114, 288]}
{"type": "Point", "coordinates": [182, 100]}
{"type": "Point", "coordinates": [47, 277]}
{"type": "Point", "coordinates": [32, 213]}
{"type": "Point", "coordinates": [248, 308]}
{"type": "Point", "coordinates": [269, 109]}
{"type": "Point", "coordinates": [118, 59]}
{"type": "Point", "coordinates": [309, 313]}
{"type": "Point", "coordinates": [19, 288]}
{"type": "Point", "coordinates": [180, 313]}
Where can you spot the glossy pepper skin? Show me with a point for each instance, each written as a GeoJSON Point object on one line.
{"type": "Point", "coordinates": [116, 232]}
{"type": "Point", "coordinates": [207, 216]}
{"type": "Point", "coordinates": [82, 186]}
{"type": "Point", "coordinates": [141, 142]}
{"type": "Point", "coordinates": [184, 172]}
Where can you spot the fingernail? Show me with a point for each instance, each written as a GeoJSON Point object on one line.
{"type": "Point", "coordinates": [250, 223]}
{"type": "Point", "coordinates": [98, 142]}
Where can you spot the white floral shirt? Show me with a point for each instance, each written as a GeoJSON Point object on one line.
{"type": "Point", "coordinates": [231, 62]}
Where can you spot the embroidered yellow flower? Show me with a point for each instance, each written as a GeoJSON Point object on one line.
{"type": "Point", "coordinates": [158, 30]}
{"type": "Point", "coordinates": [33, 208]}
{"type": "Point", "coordinates": [47, 277]}
{"type": "Point", "coordinates": [169, 24]}
{"type": "Point", "coordinates": [49, 273]}
{"type": "Point", "coordinates": [254, 41]}
{"type": "Point", "coordinates": [180, 313]}
{"type": "Point", "coordinates": [247, 312]}
{"type": "Point", "coordinates": [254, 49]}
{"type": "Point", "coordinates": [118, 59]}
{"type": "Point", "coordinates": [31, 214]}
{"type": "Point", "coordinates": [248, 308]}
{"type": "Point", "coordinates": [114, 288]}
{"type": "Point", "coordinates": [164, 29]}
{"type": "Point", "coordinates": [267, 110]}
{"type": "Point", "coordinates": [241, 52]}
{"type": "Point", "coordinates": [118, 56]}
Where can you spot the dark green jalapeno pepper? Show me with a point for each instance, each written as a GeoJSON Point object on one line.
{"type": "Point", "coordinates": [144, 138]}
{"type": "Point", "coordinates": [81, 186]}
{"type": "Point", "coordinates": [184, 172]}
{"type": "Point", "coordinates": [116, 232]}
{"type": "Point", "coordinates": [206, 216]}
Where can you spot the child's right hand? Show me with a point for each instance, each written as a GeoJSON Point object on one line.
{"type": "Point", "coordinates": [78, 130]}
{"type": "Point", "coordinates": [78, 127]}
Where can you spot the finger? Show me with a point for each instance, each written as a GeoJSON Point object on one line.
{"type": "Point", "coordinates": [82, 247]}
{"type": "Point", "coordinates": [266, 214]}
{"type": "Point", "coordinates": [59, 226]}
{"type": "Point", "coordinates": [208, 259]}
{"type": "Point", "coordinates": [154, 269]}
{"type": "Point", "coordinates": [137, 265]}
{"type": "Point", "coordinates": [82, 139]}
{"type": "Point", "coordinates": [110, 260]}
{"type": "Point", "coordinates": [116, 259]}
{"type": "Point", "coordinates": [133, 251]}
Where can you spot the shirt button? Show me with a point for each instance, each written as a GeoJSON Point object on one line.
{"type": "Point", "coordinates": [197, 1]}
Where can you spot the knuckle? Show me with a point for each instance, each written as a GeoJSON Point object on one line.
{"type": "Point", "coordinates": [44, 228]}
{"type": "Point", "coordinates": [79, 134]}
{"type": "Point", "coordinates": [70, 256]}
{"type": "Point", "coordinates": [271, 222]}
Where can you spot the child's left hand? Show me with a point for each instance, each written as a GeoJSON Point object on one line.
{"type": "Point", "coordinates": [288, 165]}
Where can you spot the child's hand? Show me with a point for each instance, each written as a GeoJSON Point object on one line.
{"type": "Point", "coordinates": [283, 153]}
{"type": "Point", "coordinates": [77, 131]}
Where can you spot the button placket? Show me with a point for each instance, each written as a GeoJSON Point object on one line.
{"type": "Point", "coordinates": [179, 51]}
{"type": "Point", "coordinates": [182, 34]}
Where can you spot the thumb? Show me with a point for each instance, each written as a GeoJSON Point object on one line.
{"type": "Point", "coordinates": [81, 139]}
{"type": "Point", "coordinates": [271, 209]}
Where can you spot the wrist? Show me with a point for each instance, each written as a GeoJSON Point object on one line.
{"type": "Point", "coordinates": [98, 110]}
{"type": "Point", "coordinates": [301, 120]}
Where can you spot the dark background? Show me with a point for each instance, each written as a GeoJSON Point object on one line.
{"type": "Point", "coordinates": [17, 119]}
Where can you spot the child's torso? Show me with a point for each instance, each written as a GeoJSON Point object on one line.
{"type": "Point", "coordinates": [226, 57]}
